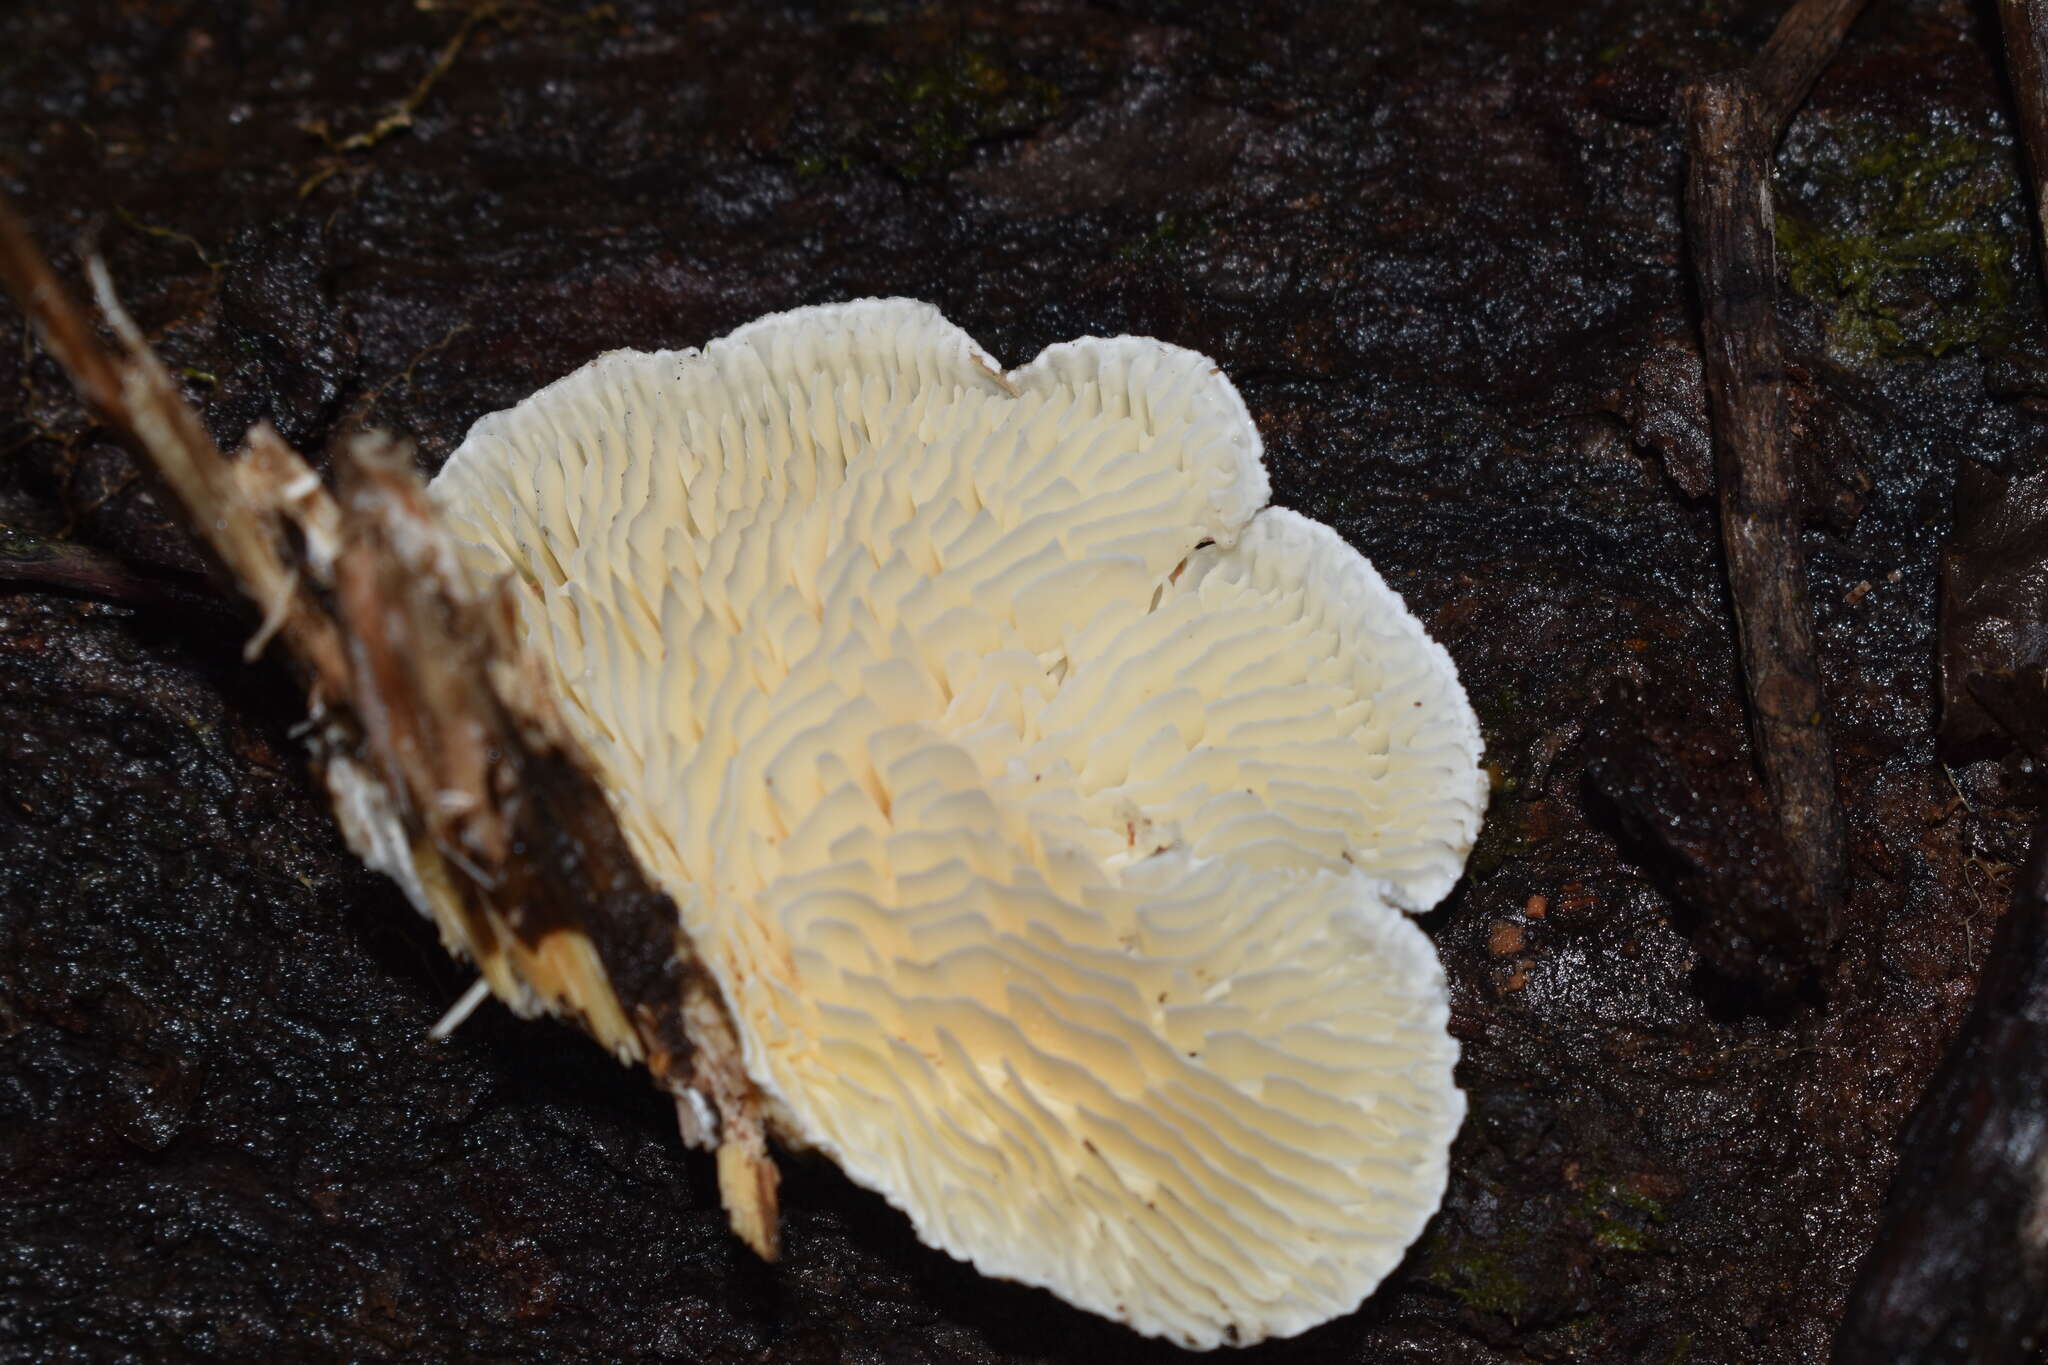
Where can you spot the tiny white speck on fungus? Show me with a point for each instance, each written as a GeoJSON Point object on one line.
{"type": "Point", "coordinates": [1044, 803]}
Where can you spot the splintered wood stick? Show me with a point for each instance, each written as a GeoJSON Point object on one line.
{"type": "Point", "coordinates": [1733, 123]}
{"type": "Point", "coordinates": [139, 396]}
{"type": "Point", "coordinates": [1729, 223]}
{"type": "Point", "coordinates": [438, 736]}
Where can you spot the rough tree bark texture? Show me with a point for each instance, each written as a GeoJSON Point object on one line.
{"type": "Point", "coordinates": [1959, 1273]}
{"type": "Point", "coordinates": [1444, 259]}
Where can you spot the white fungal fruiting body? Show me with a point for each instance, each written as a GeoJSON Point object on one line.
{"type": "Point", "coordinates": [1042, 805]}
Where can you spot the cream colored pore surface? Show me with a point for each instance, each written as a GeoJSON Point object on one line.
{"type": "Point", "coordinates": [1044, 807]}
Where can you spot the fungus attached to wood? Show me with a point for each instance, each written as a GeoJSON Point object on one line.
{"type": "Point", "coordinates": [1044, 805]}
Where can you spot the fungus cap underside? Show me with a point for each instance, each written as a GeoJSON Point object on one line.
{"type": "Point", "coordinates": [1044, 804]}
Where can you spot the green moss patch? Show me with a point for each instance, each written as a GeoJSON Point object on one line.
{"type": "Point", "coordinates": [1909, 242]}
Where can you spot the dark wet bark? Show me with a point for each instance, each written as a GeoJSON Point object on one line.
{"type": "Point", "coordinates": [426, 711]}
{"type": "Point", "coordinates": [1691, 807]}
{"type": "Point", "coordinates": [2025, 23]}
{"type": "Point", "coordinates": [1435, 255]}
{"type": "Point", "coordinates": [1994, 603]}
{"type": "Point", "coordinates": [1959, 1272]}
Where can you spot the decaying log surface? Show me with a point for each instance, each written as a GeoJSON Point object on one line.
{"type": "Point", "coordinates": [1729, 226]}
{"type": "Point", "coordinates": [437, 735]}
{"type": "Point", "coordinates": [1435, 258]}
{"type": "Point", "coordinates": [1687, 798]}
{"type": "Point", "coordinates": [1959, 1269]}
{"type": "Point", "coordinates": [1959, 1272]}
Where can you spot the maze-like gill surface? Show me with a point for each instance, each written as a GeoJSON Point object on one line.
{"type": "Point", "coordinates": [1044, 807]}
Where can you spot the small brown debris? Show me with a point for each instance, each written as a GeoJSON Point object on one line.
{"type": "Point", "coordinates": [1856, 594]}
{"type": "Point", "coordinates": [1506, 939]}
{"type": "Point", "coordinates": [1537, 907]}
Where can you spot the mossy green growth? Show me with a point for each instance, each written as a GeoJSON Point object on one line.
{"type": "Point", "coordinates": [919, 115]}
{"type": "Point", "coordinates": [1171, 234]}
{"type": "Point", "coordinates": [1480, 1274]}
{"type": "Point", "coordinates": [1499, 844]}
{"type": "Point", "coordinates": [1622, 1219]}
{"type": "Point", "coordinates": [946, 107]}
{"type": "Point", "coordinates": [1909, 242]}
{"type": "Point", "coordinates": [811, 164]}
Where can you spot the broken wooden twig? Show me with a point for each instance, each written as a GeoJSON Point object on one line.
{"type": "Point", "coordinates": [1733, 122]}
{"type": "Point", "coordinates": [436, 733]}
{"type": "Point", "coordinates": [30, 560]}
{"type": "Point", "coordinates": [1798, 51]}
{"type": "Point", "coordinates": [1729, 223]}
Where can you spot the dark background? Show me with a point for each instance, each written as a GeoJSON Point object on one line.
{"type": "Point", "coordinates": [1438, 247]}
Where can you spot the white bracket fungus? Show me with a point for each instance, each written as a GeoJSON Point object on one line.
{"type": "Point", "coordinates": [1043, 802]}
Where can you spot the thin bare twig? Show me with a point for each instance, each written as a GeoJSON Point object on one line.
{"type": "Point", "coordinates": [32, 561]}
{"type": "Point", "coordinates": [400, 115]}
{"type": "Point", "coordinates": [368, 402]}
{"type": "Point", "coordinates": [185, 239]}
{"type": "Point", "coordinates": [1799, 50]}
{"type": "Point", "coordinates": [1729, 222]}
